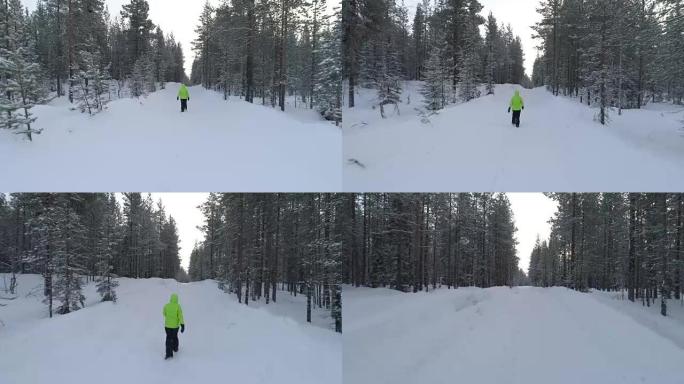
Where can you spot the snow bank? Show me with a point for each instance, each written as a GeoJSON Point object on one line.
{"type": "Point", "coordinates": [500, 335]}
{"type": "Point", "coordinates": [147, 144]}
{"type": "Point", "coordinates": [473, 146]}
{"type": "Point", "coordinates": [124, 342]}
{"type": "Point", "coordinates": [670, 327]}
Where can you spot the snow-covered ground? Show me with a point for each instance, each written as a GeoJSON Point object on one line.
{"type": "Point", "coordinates": [124, 342]}
{"type": "Point", "coordinates": [147, 144]}
{"type": "Point", "coordinates": [522, 335]}
{"type": "Point", "coordinates": [474, 147]}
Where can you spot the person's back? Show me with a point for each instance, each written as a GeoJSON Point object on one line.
{"type": "Point", "coordinates": [517, 105]}
{"type": "Point", "coordinates": [183, 92]}
{"type": "Point", "coordinates": [173, 318]}
{"type": "Point", "coordinates": [184, 97]}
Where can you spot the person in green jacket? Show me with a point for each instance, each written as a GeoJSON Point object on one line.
{"type": "Point", "coordinates": [173, 318]}
{"type": "Point", "coordinates": [517, 105]}
{"type": "Point", "coordinates": [184, 97]}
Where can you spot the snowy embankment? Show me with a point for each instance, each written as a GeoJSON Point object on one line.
{"type": "Point", "coordinates": [473, 146]}
{"type": "Point", "coordinates": [148, 144]}
{"type": "Point", "coordinates": [124, 342]}
{"type": "Point", "coordinates": [522, 335]}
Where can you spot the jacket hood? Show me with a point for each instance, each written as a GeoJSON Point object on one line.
{"type": "Point", "coordinates": [174, 298]}
{"type": "Point", "coordinates": [517, 93]}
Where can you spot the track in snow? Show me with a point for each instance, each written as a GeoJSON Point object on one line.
{"type": "Point", "coordinates": [473, 146]}
{"type": "Point", "coordinates": [500, 335]}
{"type": "Point", "coordinates": [124, 342]}
{"type": "Point", "coordinates": [148, 145]}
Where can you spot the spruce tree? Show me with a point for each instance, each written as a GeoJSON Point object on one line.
{"type": "Point", "coordinates": [433, 88]}
{"type": "Point", "coordinates": [68, 234]}
{"type": "Point", "coordinates": [109, 238]}
{"type": "Point", "coordinates": [20, 87]}
{"type": "Point", "coordinates": [327, 93]}
{"type": "Point", "coordinates": [92, 83]}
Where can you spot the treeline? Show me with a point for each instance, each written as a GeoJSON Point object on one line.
{"type": "Point", "coordinates": [72, 238]}
{"type": "Point", "coordinates": [618, 54]}
{"type": "Point", "coordinates": [614, 242]}
{"type": "Point", "coordinates": [255, 242]}
{"type": "Point", "coordinates": [443, 47]}
{"type": "Point", "coordinates": [408, 242]}
{"type": "Point", "coordinates": [269, 50]}
{"type": "Point", "coordinates": [73, 48]}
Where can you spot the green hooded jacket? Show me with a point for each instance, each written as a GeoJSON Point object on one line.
{"type": "Point", "coordinates": [173, 314]}
{"type": "Point", "coordinates": [183, 92]}
{"type": "Point", "coordinates": [517, 103]}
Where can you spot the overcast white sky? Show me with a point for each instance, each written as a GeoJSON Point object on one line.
{"type": "Point", "coordinates": [532, 212]}
{"type": "Point", "coordinates": [521, 14]}
{"type": "Point", "coordinates": [183, 208]}
{"type": "Point", "coordinates": [177, 16]}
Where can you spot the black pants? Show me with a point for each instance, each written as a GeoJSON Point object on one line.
{"type": "Point", "coordinates": [184, 105]}
{"type": "Point", "coordinates": [171, 341]}
{"type": "Point", "coordinates": [516, 117]}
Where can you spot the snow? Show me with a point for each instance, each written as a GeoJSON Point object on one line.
{"type": "Point", "coordinates": [124, 342]}
{"type": "Point", "coordinates": [147, 144]}
{"type": "Point", "coordinates": [670, 326]}
{"type": "Point", "coordinates": [520, 335]}
{"type": "Point", "coordinates": [473, 146]}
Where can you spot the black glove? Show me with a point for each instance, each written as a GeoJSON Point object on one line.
{"type": "Point", "coordinates": [182, 328]}
{"type": "Point", "coordinates": [177, 98]}
{"type": "Point", "coordinates": [188, 99]}
{"type": "Point", "coordinates": [509, 109]}
{"type": "Point", "coordinates": [523, 108]}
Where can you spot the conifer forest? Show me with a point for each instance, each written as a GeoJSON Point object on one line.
{"type": "Point", "coordinates": [342, 191]}
{"type": "Point", "coordinates": [614, 242]}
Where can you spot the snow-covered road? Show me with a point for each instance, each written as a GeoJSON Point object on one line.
{"type": "Point", "coordinates": [522, 335]}
{"type": "Point", "coordinates": [146, 144]}
{"type": "Point", "coordinates": [474, 147]}
{"type": "Point", "coordinates": [124, 342]}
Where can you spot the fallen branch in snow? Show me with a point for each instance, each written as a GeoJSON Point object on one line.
{"type": "Point", "coordinates": [363, 123]}
{"type": "Point", "coordinates": [356, 162]}
{"type": "Point", "coordinates": [7, 298]}
{"type": "Point", "coordinates": [27, 131]}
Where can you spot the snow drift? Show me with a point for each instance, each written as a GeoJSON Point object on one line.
{"type": "Point", "coordinates": [147, 144]}
{"type": "Point", "coordinates": [522, 335]}
{"type": "Point", "coordinates": [124, 342]}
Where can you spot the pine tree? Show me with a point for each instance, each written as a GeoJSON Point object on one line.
{"type": "Point", "coordinates": [201, 44]}
{"type": "Point", "coordinates": [492, 34]}
{"type": "Point", "coordinates": [328, 78]}
{"type": "Point", "coordinates": [68, 235]}
{"type": "Point", "coordinates": [20, 87]}
{"type": "Point", "coordinates": [109, 238]}
{"type": "Point", "coordinates": [20, 91]}
{"type": "Point", "coordinates": [434, 87]}
{"type": "Point", "coordinates": [161, 58]}
{"type": "Point", "coordinates": [142, 80]}
{"type": "Point", "coordinates": [138, 30]}
{"type": "Point", "coordinates": [467, 83]}
{"type": "Point", "coordinates": [91, 84]}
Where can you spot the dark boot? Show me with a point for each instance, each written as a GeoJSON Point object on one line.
{"type": "Point", "coordinates": [171, 334]}
{"type": "Point", "coordinates": [516, 118]}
